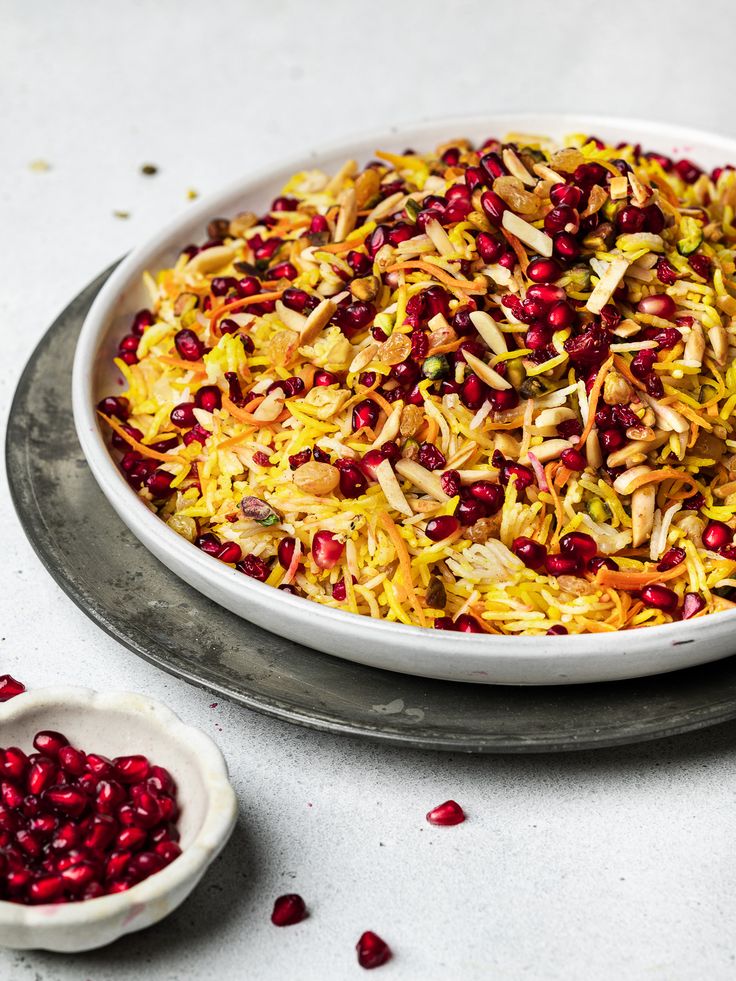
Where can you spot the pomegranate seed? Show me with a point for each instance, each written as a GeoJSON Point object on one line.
{"type": "Point", "coordinates": [688, 171]}
{"type": "Point", "coordinates": [12, 797]}
{"type": "Point", "coordinates": [46, 890]}
{"type": "Point", "coordinates": [110, 795]}
{"type": "Point", "coordinates": [29, 842]}
{"type": "Point", "coordinates": [562, 565]}
{"type": "Point", "coordinates": [372, 951]}
{"type": "Point", "coordinates": [146, 812]}
{"type": "Point", "coordinates": [543, 270]}
{"type": "Point", "coordinates": [144, 864]}
{"type": "Point", "coordinates": [130, 839]}
{"type": "Point", "coordinates": [167, 851]}
{"type": "Point", "coordinates": [326, 549]}
{"type": "Point", "coordinates": [716, 535]}
{"type": "Point", "coordinates": [473, 392]}
{"type": "Point", "coordinates": [72, 761]}
{"type": "Point", "coordinates": [531, 553]}
{"type": "Point", "coordinates": [657, 305]}
{"type": "Point", "coordinates": [692, 603]}
{"type": "Point", "coordinates": [14, 764]}
{"type": "Point", "coordinates": [566, 194]}
{"type": "Point", "coordinates": [447, 814]}
{"type": "Point", "coordinates": [188, 345]}
{"type": "Point", "coordinates": [611, 440]}
{"type": "Point", "coordinates": [365, 415]}
{"type": "Point", "coordinates": [66, 799]}
{"type": "Point", "coordinates": [566, 246]}
{"type": "Point", "coordinates": [579, 545]}
{"type": "Point", "coordinates": [324, 378]}
{"type": "Point", "coordinates": [40, 776]}
{"type": "Point", "coordinates": [660, 597]}
{"type": "Point", "coordinates": [561, 218]}
{"type": "Point", "coordinates": [537, 337]}
{"type": "Point", "coordinates": [102, 831]}
{"type": "Point", "coordinates": [352, 479]}
{"type": "Point", "coordinates": [143, 319]}
{"type": "Point", "coordinates": [523, 475]}
{"type": "Point", "coordinates": [672, 557]}
{"type": "Point", "coordinates": [117, 864]}
{"type": "Point", "coordinates": [631, 219]}
{"type": "Point", "coordinates": [489, 248]}
{"type": "Point", "coordinates": [442, 527]}
{"type": "Point", "coordinates": [468, 625]}
{"type": "Point", "coordinates": [573, 459]}
{"type": "Point", "coordinates": [494, 206]}
{"type": "Point", "coordinates": [78, 877]}
{"type": "Point", "coordinates": [288, 910]}
{"type": "Point", "coordinates": [557, 630]}
{"type": "Point", "coordinates": [546, 294]}
{"type": "Point", "coordinates": [9, 687]}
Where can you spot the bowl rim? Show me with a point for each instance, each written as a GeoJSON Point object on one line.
{"type": "Point", "coordinates": [222, 576]}
{"type": "Point", "coordinates": [186, 870]}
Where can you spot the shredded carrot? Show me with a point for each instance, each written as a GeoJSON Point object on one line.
{"type": "Point", "coordinates": [402, 554]}
{"type": "Point", "coordinates": [193, 366]}
{"type": "Point", "coordinates": [457, 284]}
{"type": "Point", "coordinates": [445, 348]}
{"type": "Point", "coordinates": [139, 447]}
{"type": "Point", "coordinates": [246, 413]}
{"type": "Point", "coordinates": [617, 579]}
{"type": "Point", "coordinates": [657, 476]}
{"type": "Point", "coordinates": [235, 440]}
{"type": "Point", "coordinates": [379, 400]}
{"type": "Point", "coordinates": [432, 429]}
{"type": "Point", "coordinates": [595, 393]}
{"type": "Point", "coordinates": [623, 369]}
{"type": "Point", "coordinates": [244, 301]}
{"type": "Point", "coordinates": [518, 248]}
{"type": "Point", "coordinates": [338, 247]}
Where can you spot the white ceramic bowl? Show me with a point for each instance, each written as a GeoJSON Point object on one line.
{"type": "Point", "coordinates": [116, 724]}
{"type": "Point", "coordinates": [434, 654]}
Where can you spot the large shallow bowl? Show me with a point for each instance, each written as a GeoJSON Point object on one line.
{"type": "Point", "coordinates": [117, 724]}
{"type": "Point", "coordinates": [395, 646]}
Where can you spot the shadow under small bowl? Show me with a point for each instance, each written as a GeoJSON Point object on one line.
{"type": "Point", "coordinates": [119, 724]}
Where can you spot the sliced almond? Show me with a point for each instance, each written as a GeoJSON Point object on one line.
{"type": "Point", "coordinates": [666, 417]}
{"type": "Point", "coordinates": [391, 488]}
{"type": "Point", "coordinates": [389, 205]}
{"type": "Point", "coordinates": [363, 358]}
{"type": "Point", "coordinates": [547, 174]}
{"type": "Point", "coordinates": [622, 483]}
{"type": "Point", "coordinates": [440, 238]}
{"type": "Point", "coordinates": [210, 260]}
{"type": "Point", "coordinates": [489, 331]}
{"type": "Point", "coordinates": [317, 319]}
{"type": "Point", "coordinates": [718, 339]}
{"type": "Point", "coordinates": [348, 170]}
{"type": "Point", "coordinates": [516, 168]}
{"type": "Point", "coordinates": [531, 236]}
{"type": "Point", "coordinates": [695, 345]}
{"type": "Point", "coordinates": [550, 449]}
{"type": "Point", "coordinates": [390, 428]}
{"type": "Point", "coordinates": [347, 215]}
{"type": "Point", "coordinates": [642, 514]}
{"type": "Point", "coordinates": [607, 285]}
{"type": "Point", "coordinates": [290, 318]}
{"type": "Point", "coordinates": [486, 373]}
{"type": "Point", "coordinates": [271, 407]}
{"type": "Point", "coordinates": [423, 479]}
{"type": "Point", "coordinates": [637, 446]}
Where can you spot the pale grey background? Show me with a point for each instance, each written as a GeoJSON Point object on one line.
{"type": "Point", "coordinates": [612, 865]}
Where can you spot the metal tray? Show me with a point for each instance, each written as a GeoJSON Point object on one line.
{"type": "Point", "coordinates": [120, 586]}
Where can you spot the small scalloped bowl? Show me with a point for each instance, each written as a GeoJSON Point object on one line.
{"type": "Point", "coordinates": [116, 724]}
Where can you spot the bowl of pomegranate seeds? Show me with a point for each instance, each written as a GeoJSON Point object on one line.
{"type": "Point", "coordinates": [483, 385]}
{"type": "Point", "coordinates": [111, 810]}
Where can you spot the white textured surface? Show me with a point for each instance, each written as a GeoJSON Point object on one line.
{"type": "Point", "coordinates": [609, 865]}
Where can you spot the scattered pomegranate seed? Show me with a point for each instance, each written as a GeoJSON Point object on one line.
{"type": "Point", "coordinates": [447, 814]}
{"type": "Point", "coordinates": [660, 597]}
{"type": "Point", "coordinates": [288, 910]}
{"type": "Point", "coordinates": [9, 687]}
{"type": "Point", "coordinates": [372, 950]}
